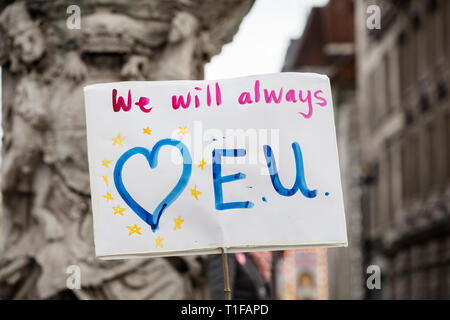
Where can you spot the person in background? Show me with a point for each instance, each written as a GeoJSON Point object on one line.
{"type": "Point", "coordinates": [250, 275]}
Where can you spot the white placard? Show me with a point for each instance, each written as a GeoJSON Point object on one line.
{"type": "Point", "coordinates": [188, 167]}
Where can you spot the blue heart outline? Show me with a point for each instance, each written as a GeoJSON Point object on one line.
{"type": "Point", "coordinates": [152, 159]}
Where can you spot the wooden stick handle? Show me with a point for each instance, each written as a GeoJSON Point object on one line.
{"type": "Point", "coordinates": [226, 275]}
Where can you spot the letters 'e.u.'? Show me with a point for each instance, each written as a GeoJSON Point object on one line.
{"type": "Point", "coordinates": [152, 158]}
{"type": "Point", "coordinates": [300, 182]}
{"type": "Point", "coordinates": [218, 179]}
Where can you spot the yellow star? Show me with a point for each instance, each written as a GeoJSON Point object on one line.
{"type": "Point", "coordinates": [159, 242]}
{"type": "Point", "coordinates": [178, 222]}
{"type": "Point", "coordinates": [202, 163]}
{"type": "Point", "coordinates": [134, 229]}
{"type": "Point", "coordinates": [105, 178]}
{"type": "Point", "coordinates": [106, 163]}
{"type": "Point", "coordinates": [118, 210]}
{"type": "Point", "coordinates": [118, 140]}
{"type": "Point", "coordinates": [195, 192]}
{"type": "Point", "coordinates": [108, 196]}
{"type": "Point", "coordinates": [182, 131]}
{"type": "Point", "coordinates": [147, 131]}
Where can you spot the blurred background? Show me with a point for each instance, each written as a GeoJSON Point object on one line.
{"type": "Point", "coordinates": [388, 61]}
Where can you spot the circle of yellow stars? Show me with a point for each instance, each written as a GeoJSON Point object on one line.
{"type": "Point", "coordinates": [135, 229]}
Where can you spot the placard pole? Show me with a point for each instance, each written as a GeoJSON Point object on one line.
{"type": "Point", "coordinates": [226, 275]}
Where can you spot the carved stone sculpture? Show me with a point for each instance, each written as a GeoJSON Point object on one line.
{"type": "Point", "coordinates": [46, 217]}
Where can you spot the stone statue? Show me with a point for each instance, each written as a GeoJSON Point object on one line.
{"type": "Point", "coordinates": [46, 217]}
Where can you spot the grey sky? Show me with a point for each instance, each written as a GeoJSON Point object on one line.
{"type": "Point", "coordinates": [262, 40]}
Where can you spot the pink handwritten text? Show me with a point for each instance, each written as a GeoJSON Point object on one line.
{"type": "Point", "coordinates": [276, 96]}
{"type": "Point", "coordinates": [119, 102]}
{"type": "Point", "coordinates": [185, 101]}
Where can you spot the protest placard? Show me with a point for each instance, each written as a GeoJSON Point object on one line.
{"type": "Point", "coordinates": [189, 167]}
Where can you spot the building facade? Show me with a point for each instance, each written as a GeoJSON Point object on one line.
{"type": "Point", "coordinates": [404, 123]}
